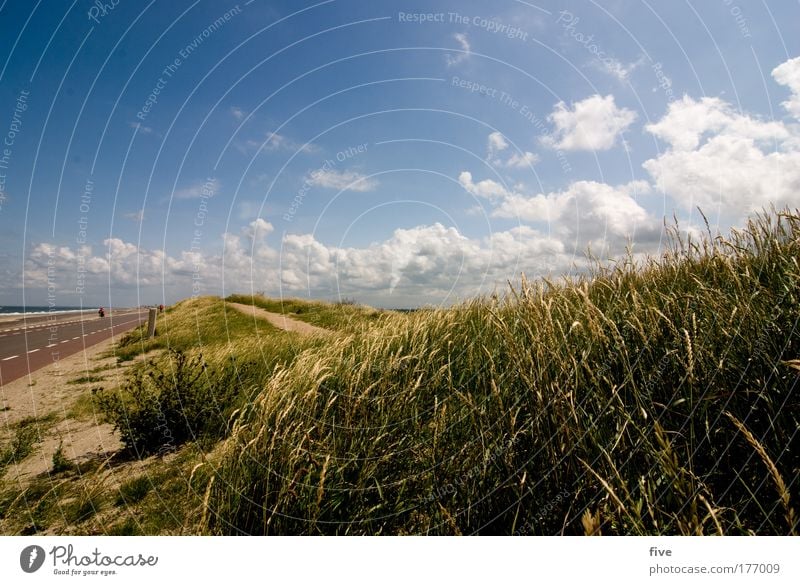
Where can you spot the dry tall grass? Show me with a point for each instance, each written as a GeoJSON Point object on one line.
{"type": "Point", "coordinates": [650, 400]}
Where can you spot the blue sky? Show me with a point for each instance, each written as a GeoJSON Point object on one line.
{"type": "Point", "coordinates": [399, 153]}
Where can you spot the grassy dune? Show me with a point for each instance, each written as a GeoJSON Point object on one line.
{"type": "Point", "coordinates": [656, 399]}
{"type": "Point", "coordinates": [637, 400]}
{"type": "Point", "coordinates": [344, 316]}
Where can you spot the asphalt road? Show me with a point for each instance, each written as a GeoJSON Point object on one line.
{"type": "Point", "coordinates": [26, 349]}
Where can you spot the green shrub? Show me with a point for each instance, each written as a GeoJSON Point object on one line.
{"type": "Point", "coordinates": [28, 432]}
{"type": "Point", "coordinates": [60, 461]}
{"type": "Point", "coordinates": [172, 401]}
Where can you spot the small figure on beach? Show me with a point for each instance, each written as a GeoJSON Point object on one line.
{"type": "Point", "coordinates": [101, 311]}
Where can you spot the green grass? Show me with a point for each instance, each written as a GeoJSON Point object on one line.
{"type": "Point", "coordinates": [191, 325]}
{"type": "Point", "coordinates": [127, 527]}
{"type": "Point", "coordinates": [216, 359]}
{"type": "Point", "coordinates": [134, 490]}
{"type": "Point", "coordinates": [82, 509]}
{"type": "Point", "coordinates": [61, 462]}
{"type": "Point", "coordinates": [164, 499]}
{"type": "Point", "coordinates": [27, 433]}
{"type": "Point", "coordinates": [649, 399]}
{"type": "Point", "coordinates": [345, 316]}
{"type": "Point", "coordinates": [640, 399]}
{"type": "Point", "coordinates": [86, 380]}
{"type": "Point", "coordinates": [85, 406]}
{"type": "Point", "coordinates": [29, 510]}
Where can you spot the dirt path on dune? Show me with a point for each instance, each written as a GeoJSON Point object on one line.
{"type": "Point", "coordinates": [280, 321]}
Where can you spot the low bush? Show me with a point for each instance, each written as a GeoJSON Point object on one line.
{"type": "Point", "coordinates": [61, 462]}
{"type": "Point", "coordinates": [172, 401]}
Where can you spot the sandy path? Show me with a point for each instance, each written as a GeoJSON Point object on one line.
{"type": "Point", "coordinates": [280, 321]}
{"type": "Point", "coordinates": [47, 392]}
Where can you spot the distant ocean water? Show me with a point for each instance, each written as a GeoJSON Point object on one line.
{"type": "Point", "coordinates": [39, 310]}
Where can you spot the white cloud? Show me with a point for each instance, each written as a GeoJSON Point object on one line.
{"type": "Point", "coordinates": [423, 263]}
{"type": "Point", "coordinates": [124, 266]}
{"type": "Point", "coordinates": [589, 210]}
{"type": "Point", "coordinates": [341, 180]}
{"type": "Point", "coordinates": [618, 69]}
{"type": "Point", "coordinates": [715, 155]}
{"type": "Point", "coordinates": [496, 143]}
{"type": "Point", "coordinates": [519, 160]}
{"type": "Point", "coordinates": [207, 188]}
{"type": "Point", "coordinates": [277, 141]}
{"type": "Point", "coordinates": [274, 142]}
{"type": "Point", "coordinates": [486, 189]}
{"type": "Point", "coordinates": [592, 124]}
{"type": "Point", "coordinates": [720, 157]}
{"type": "Point", "coordinates": [586, 212]}
{"type": "Point", "coordinates": [258, 229]}
{"type": "Point", "coordinates": [238, 113]}
{"type": "Point", "coordinates": [466, 50]}
{"type": "Point", "coordinates": [120, 264]}
{"type": "Point", "coordinates": [416, 265]}
{"type": "Point", "coordinates": [247, 262]}
{"type": "Point", "coordinates": [687, 121]}
{"type": "Point", "coordinates": [788, 74]}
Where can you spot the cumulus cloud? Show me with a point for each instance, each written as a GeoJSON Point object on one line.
{"type": "Point", "coordinates": [487, 189]}
{"type": "Point", "coordinates": [417, 265]}
{"type": "Point", "coordinates": [248, 262]}
{"type": "Point", "coordinates": [788, 74]}
{"type": "Point", "coordinates": [118, 263]}
{"type": "Point", "coordinates": [586, 212]}
{"type": "Point", "coordinates": [688, 121]}
{"type": "Point", "coordinates": [341, 180]}
{"type": "Point", "coordinates": [422, 263]}
{"type": "Point", "coordinates": [720, 157]}
{"type": "Point", "coordinates": [258, 229]}
{"type": "Point", "coordinates": [519, 160]}
{"type": "Point", "coordinates": [125, 266]}
{"type": "Point", "coordinates": [237, 113]}
{"type": "Point", "coordinates": [426, 263]}
{"type": "Point", "coordinates": [466, 50]}
{"type": "Point", "coordinates": [592, 124]}
{"type": "Point", "coordinates": [496, 143]}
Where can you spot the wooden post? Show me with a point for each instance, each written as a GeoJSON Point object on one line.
{"type": "Point", "coordinates": [151, 322]}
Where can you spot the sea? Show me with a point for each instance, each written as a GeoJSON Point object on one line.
{"type": "Point", "coordinates": [40, 310]}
